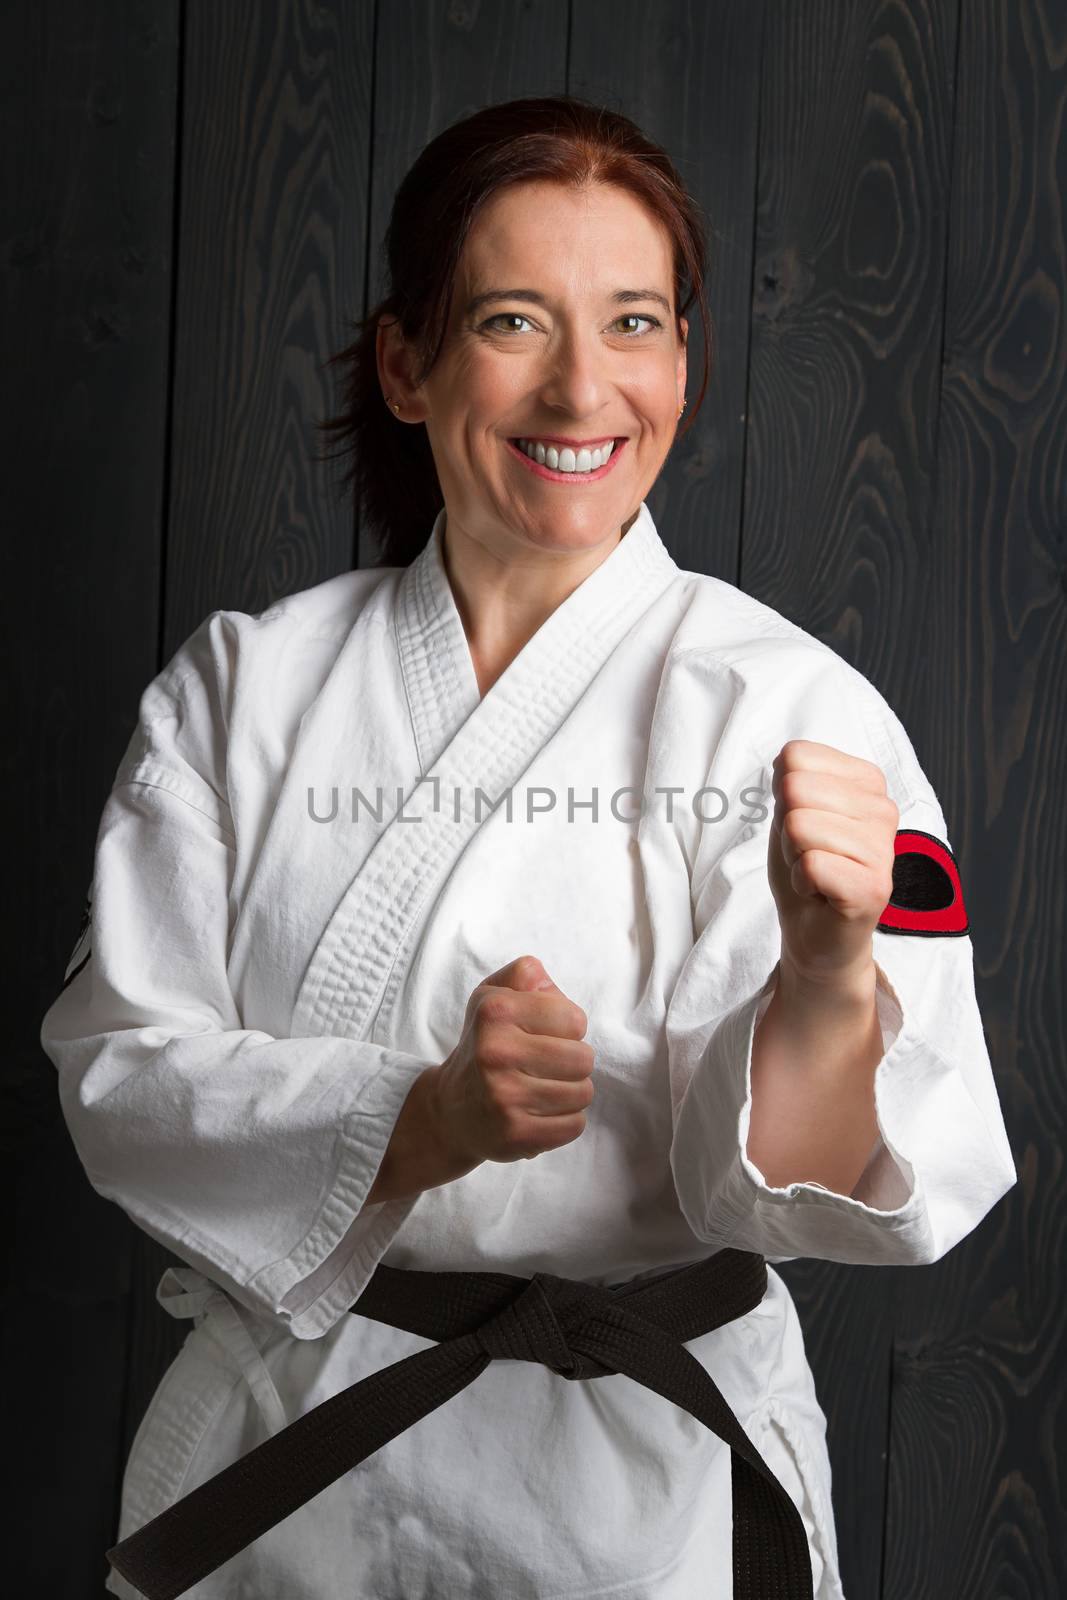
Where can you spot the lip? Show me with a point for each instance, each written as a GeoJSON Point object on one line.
{"type": "Point", "coordinates": [569, 477]}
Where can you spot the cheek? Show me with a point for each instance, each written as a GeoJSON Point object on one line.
{"type": "Point", "coordinates": [653, 399]}
{"type": "Point", "coordinates": [500, 386]}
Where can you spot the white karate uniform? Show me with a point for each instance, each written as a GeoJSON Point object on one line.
{"type": "Point", "coordinates": [260, 987]}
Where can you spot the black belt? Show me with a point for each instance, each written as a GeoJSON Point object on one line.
{"type": "Point", "coordinates": [576, 1329]}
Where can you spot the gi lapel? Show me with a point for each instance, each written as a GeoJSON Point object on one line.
{"type": "Point", "coordinates": [464, 743]}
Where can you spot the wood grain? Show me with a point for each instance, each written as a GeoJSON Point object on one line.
{"type": "Point", "coordinates": [275, 172]}
{"type": "Point", "coordinates": [855, 130]}
{"type": "Point", "coordinates": [975, 1504]}
{"type": "Point", "coordinates": [89, 100]}
{"type": "Point", "coordinates": [195, 202]}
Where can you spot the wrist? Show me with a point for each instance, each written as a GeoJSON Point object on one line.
{"type": "Point", "coordinates": [847, 989]}
{"type": "Point", "coordinates": [416, 1157]}
{"type": "Point", "coordinates": [434, 1130]}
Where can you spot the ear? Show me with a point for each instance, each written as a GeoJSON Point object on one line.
{"type": "Point", "coordinates": [393, 361]}
{"type": "Point", "coordinates": [682, 362]}
{"type": "Point", "coordinates": [387, 351]}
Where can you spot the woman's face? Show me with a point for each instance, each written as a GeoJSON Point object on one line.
{"type": "Point", "coordinates": [574, 353]}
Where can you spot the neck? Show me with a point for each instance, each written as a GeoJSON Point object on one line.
{"type": "Point", "coordinates": [503, 600]}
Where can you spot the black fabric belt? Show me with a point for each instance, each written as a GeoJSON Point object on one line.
{"type": "Point", "coordinates": [576, 1329]}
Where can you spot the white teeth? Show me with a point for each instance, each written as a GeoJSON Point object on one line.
{"type": "Point", "coordinates": [566, 459]}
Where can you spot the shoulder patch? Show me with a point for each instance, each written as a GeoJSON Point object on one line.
{"type": "Point", "coordinates": [927, 897]}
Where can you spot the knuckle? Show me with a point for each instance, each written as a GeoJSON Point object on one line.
{"type": "Point", "coordinates": [503, 1107]}
{"type": "Point", "coordinates": [793, 826]}
{"type": "Point", "coordinates": [790, 787]}
{"type": "Point", "coordinates": [496, 1052]}
{"type": "Point", "coordinates": [574, 1024]}
{"type": "Point", "coordinates": [493, 1007]}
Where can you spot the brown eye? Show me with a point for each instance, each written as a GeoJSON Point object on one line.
{"type": "Point", "coordinates": [638, 316]}
{"type": "Point", "coordinates": [516, 316]}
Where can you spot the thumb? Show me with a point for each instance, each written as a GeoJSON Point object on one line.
{"type": "Point", "coordinates": [524, 973]}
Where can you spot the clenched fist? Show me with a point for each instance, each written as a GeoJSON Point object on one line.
{"type": "Point", "coordinates": [829, 857]}
{"type": "Point", "coordinates": [520, 1079]}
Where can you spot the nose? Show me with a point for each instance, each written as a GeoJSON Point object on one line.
{"type": "Point", "coordinates": [576, 383]}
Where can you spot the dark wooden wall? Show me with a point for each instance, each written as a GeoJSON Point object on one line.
{"type": "Point", "coordinates": [193, 201]}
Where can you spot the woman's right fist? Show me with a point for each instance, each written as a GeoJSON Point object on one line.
{"type": "Point", "coordinates": [520, 1078]}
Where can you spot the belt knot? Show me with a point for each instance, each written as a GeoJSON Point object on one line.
{"type": "Point", "coordinates": [544, 1323]}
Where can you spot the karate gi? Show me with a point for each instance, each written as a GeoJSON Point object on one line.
{"type": "Point", "coordinates": [268, 969]}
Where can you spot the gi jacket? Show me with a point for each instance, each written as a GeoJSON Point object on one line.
{"type": "Point", "coordinates": [320, 840]}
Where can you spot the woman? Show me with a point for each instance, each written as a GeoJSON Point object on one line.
{"type": "Point", "coordinates": [522, 906]}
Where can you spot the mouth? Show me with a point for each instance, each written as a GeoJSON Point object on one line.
{"type": "Point", "coordinates": [555, 475]}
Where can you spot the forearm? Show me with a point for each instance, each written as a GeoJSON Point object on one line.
{"type": "Point", "coordinates": [416, 1157]}
{"type": "Point", "coordinates": [814, 1053]}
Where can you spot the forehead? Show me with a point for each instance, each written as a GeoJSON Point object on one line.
{"type": "Point", "coordinates": [549, 234]}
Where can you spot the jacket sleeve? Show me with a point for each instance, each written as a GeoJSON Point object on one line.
{"type": "Point", "coordinates": [249, 1157]}
{"type": "Point", "coordinates": [942, 1157]}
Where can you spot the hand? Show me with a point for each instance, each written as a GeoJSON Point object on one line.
{"type": "Point", "coordinates": [829, 858]}
{"type": "Point", "coordinates": [520, 1078]}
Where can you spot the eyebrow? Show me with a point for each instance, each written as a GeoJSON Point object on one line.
{"type": "Point", "coordinates": [620, 297]}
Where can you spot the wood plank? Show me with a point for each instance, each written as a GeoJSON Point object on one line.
{"type": "Point", "coordinates": [273, 207]}
{"type": "Point", "coordinates": [854, 172]}
{"type": "Point", "coordinates": [88, 98]}
{"type": "Point", "coordinates": [65, 1328]}
{"type": "Point", "coordinates": [975, 1506]}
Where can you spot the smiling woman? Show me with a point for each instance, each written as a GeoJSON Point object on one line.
{"type": "Point", "coordinates": [497, 333]}
{"type": "Point", "coordinates": [594, 405]}
{"type": "Point", "coordinates": [448, 1121]}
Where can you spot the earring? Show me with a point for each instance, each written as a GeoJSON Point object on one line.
{"type": "Point", "coordinates": [682, 407]}
{"type": "Point", "coordinates": [394, 403]}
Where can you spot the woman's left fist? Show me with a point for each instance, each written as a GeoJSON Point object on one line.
{"type": "Point", "coordinates": [829, 857]}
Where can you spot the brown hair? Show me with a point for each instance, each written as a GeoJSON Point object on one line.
{"type": "Point", "coordinates": [559, 138]}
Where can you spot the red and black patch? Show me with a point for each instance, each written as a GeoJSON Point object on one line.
{"type": "Point", "coordinates": [927, 897]}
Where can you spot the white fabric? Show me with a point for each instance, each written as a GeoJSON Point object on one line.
{"type": "Point", "coordinates": [264, 988]}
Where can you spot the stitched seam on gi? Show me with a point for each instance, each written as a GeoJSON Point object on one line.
{"type": "Point", "coordinates": [350, 973]}
{"type": "Point", "coordinates": [171, 784]}
{"type": "Point", "coordinates": [397, 911]}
